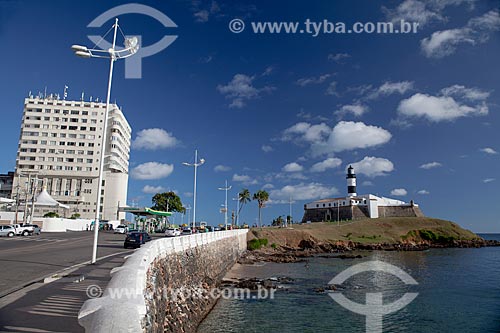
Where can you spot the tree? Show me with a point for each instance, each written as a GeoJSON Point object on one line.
{"type": "Point", "coordinates": [51, 214]}
{"type": "Point", "coordinates": [167, 202]}
{"type": "Point", "coordinates": [262, 197]}
{"type": "Point", "coordinates": [277, 222]}
{"type": "Point", "coordinates": [244, 197]}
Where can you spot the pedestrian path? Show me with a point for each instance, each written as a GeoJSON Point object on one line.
{"type": "Point", "coordinates": [53, 307]}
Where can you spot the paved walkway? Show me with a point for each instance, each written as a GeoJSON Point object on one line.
{"type": "Point", "coordinates": [54, 306]}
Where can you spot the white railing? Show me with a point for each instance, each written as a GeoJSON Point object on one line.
{"type": "Point", "coordinates": [122, 306]}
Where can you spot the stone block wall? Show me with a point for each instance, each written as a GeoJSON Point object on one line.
{"type": "Point", "coordinates": [138, 297]}
{"type": "Point", "coordinates": [400, 211]}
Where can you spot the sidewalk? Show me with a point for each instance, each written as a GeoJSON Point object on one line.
{"type": "Point", "coordinates": [53, 307]}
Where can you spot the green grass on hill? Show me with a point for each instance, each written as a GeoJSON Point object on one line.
{"type": "Point", "coordinates": [369, 231]}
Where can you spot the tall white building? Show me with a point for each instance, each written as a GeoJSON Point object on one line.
{"type": "Point", "coordinates": [60, 144]}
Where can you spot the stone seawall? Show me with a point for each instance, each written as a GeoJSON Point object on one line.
{"type": "Point", "coordinates": [164, 285]}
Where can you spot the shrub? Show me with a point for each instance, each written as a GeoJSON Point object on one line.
{"type": "Point", "coordinates": [75, 216]}
{"type": "Point", "coordinates": [51, 214]}
{"type": "Point", "coordinates": [257, 243]}
{"type": "Point", "coordinates": [274, 245]}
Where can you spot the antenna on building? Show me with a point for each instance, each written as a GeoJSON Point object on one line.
{"type": "Point", "coordinates": [45, 93]}
{"type": "Point", "coordinates": [30, 95]}
{"type": "Point", "coordinates": [91, 98]}
{"type": "Point", "coordinates": [83, 95]}
{"type": "Point", "coordinates": [65, 92]}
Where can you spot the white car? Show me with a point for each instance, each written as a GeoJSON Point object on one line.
{"type": "Point", "coordinates": [172, 232]}
{"type": "Point", "coordinates": [121, 229]}
{"type": "Point", "coordinates": [7, 230]}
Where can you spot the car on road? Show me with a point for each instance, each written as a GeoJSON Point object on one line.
{"type": "Point", "coordinates": [136, 239]}
{"type": "Point", "coordinates": [7, 230]}
{"type": "Point", "coordinates": [121, 229]}
{"type": "Point", "coordinates": [187, 231]}
{"type": "Point", "coordinates": [24, 230]}
{"type": "Point", "coordinates": [36, 229]}
{"type": "Point", "coordinates": [172, 232]}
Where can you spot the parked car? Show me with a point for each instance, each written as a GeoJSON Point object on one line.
{"type": "Point", "coordinates": [36, 229]}
{"type": "Point", "coordinates": [121, 229]}
{"type": "Point", "coordinates": [136, 239]}
{"type": "Point", "coordinates": [187, 231]}
{"type": "Point", "coordinates": [145, 236]}
{"type": "Point", "coordinates": [7, 230]}
{"type": "Point", "coordinates": [216, 228]}
{"type": "Point", "coordinates": [23, 230]}
{"type": "Point", "coordinates": [172, 232]}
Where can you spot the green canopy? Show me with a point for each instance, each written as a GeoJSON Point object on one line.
{"type": "Point", "coordinates": [144, 211]}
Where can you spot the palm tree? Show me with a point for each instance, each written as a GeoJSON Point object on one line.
{"type": "Point", "coordinates": [261, 196]}
{"type": "Point", "coordinates": [244, 197]}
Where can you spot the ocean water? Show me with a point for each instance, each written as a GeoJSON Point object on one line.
{"type": "Point", "coordinates": [458, 291]}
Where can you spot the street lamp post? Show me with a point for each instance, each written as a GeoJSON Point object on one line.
{"type": "Point", "coordinates": [131, 47]}
{"type": "Point", "coordinates": [226, 188]}
{"type": "Point", "coordinates": [196, 164]}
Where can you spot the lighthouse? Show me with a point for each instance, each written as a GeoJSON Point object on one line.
{"type": "Point", "coordinates": [351, 182]}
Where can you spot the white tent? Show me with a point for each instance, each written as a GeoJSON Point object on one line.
{"type": "Point", "coordinates": [6, 201]}
{"type": "Point", "coordinates": [44, 199]}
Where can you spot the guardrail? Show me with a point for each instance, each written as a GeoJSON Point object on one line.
{"type": "Point", "coordinates": [122, 307]}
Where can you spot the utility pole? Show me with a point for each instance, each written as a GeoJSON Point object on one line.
{"type": "Point", "coordinates": [225, 203]}
{"type": "Point", "coordinates": [17, 201]}
{"type": "Point", "coordinates": [25, 215]}
{"type": "Point", "coordinates": [34, 187]}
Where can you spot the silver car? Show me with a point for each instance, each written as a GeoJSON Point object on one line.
{"type": "Point", "coordinates": [7, 230]}
{"type": "Point", "coordinates": [172, 232]}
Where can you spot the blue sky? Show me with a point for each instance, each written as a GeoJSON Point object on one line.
{"type": "Point", "coordinates": [417, 114]}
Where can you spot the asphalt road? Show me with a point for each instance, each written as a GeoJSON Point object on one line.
{"type": "Point", "coordinates": [26, 259]}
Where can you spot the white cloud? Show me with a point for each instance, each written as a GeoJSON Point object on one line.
{"type": "Point", "coordinates": [332, 89]}
{"type": "Point", "coordinates": [151, 170]}
{"type": "Point", "coordinates": [240, 90]}
{"type": "Point", "coordinates": [412, 11]}
{"type": "Point", "coordinates": [488, 150]}
{"type": "Point", "coordinates": [476, 31]}
{"type": "Point", "coordinates": [302, 191]}
{"type": "Point", "coordinates": [312, 80]}
{"type": "Point", "coordinates": [356, 109]}
{"type": "Point", "coordinates": [154, 138]}
{"type": "Point", "coordinates": [267, 148]}
{"type": "Point", "coordinates": [348, 135]}
{"type": "Point", "coordinates": [471, 94]}
{"type": "Point", "coordinates": [268, 71]}
{"type": "Point", "coordinates": [438, 108]}
{"type": "Point", "coordinates": [293, 167]}
{"type": "Point", "coordinates": [373, 166]}
{"type": "Point", "coordinates": [430, 165]}
{"type": "Point", "coordinates": [488, 180]}
{"type": "Point", "coordinates": [304, 131]}
{"type": "Point", "coordinates": [399, 192]}
{"type": "Point", "coordinates": [338, 57]}
{"type": "Point", "coordinates": [423, 192]}
{"type": "Point", "coordinates": [344, 136]}
{"type": "Point", "coordinates": [267, 186]}
{"type": "Point", "coordinates": [245, 179]}
{"type": "Point", "coordinates": [202, 16]}
{"type": "Point", "coordinates": [153, 189]}
{"type": "Point", "coordinates": [329, 163]}
{"type": "Point", "coordinates": [367, 183]}
{"type": "Point", "coordinates": [389, 88]}
{"type": "Point", "coordinates": [222, 168]}
{"type": "Point", "coordinates": [202, 12]}
{"type": "Point", "coordinates": [188, 194]}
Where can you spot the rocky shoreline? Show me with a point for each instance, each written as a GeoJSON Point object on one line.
{"type": "Point", "coordinates": [342, 249]}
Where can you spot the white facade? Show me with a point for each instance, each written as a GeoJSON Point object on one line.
{"type": "Point", "coordinates": [60, 145]}
{"type": "Point", "coordinates": [371, 201]}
